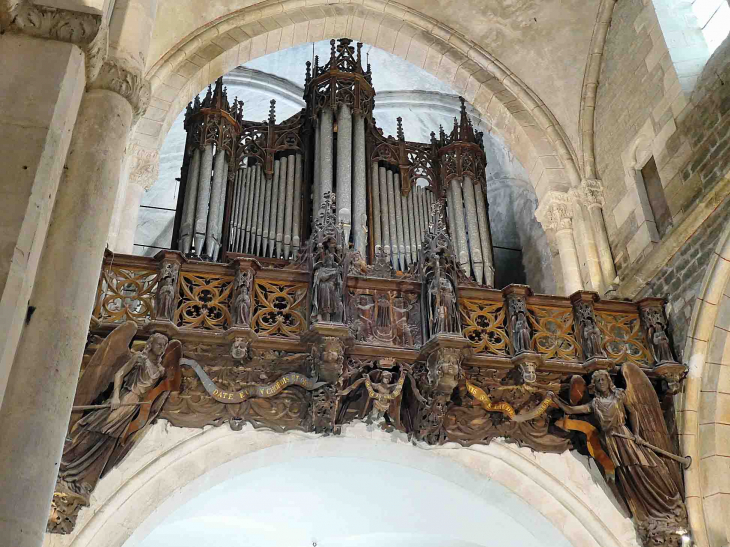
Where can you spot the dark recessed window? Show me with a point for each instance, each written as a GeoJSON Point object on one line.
{"type": "Point", "coordinates": [657, 199]}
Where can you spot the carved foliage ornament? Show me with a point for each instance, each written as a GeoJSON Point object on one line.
{"type": "Point", "coordinates": [556, 211]}
{"type": "Point", "coordinates": [144, 166]}
{"type": "Point", "coordinates": [125, 81]}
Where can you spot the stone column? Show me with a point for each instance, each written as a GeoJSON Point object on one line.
{"type": "Point", "coordinates": [592, 194]}
{"type": "Point", "coordinates": [40, 389]}
{"type": "Point", "coordinates": [555, 213]}
{"type": "Point", "coordinates": [142, 168]}
{"type": "Point", "coordinates": [35, 140]}
{"type": "Point", "coordinates": [326, 152]}
{"type": "Point", "coordinates": [49, 354]}
{"type": "Point", "coordinates": [360, 200]}
{"type": "Point", "coordinates": [344, 168]}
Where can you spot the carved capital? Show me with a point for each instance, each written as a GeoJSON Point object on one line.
{"type": "Point", "coordinates": [591, 193]}
{"type": "Point", "coordinates": [144, 166]}
{"type": "Point", "coordinates": [81, 29]}
{"type": "Point", "coordinates": [128, 82]}
{"type": "Point", "coordinates": [555, 211]}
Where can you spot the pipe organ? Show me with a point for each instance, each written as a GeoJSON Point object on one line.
{"type": "Point", "coordinates": [254, 188]}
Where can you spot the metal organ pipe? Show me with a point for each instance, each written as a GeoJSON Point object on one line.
{"type": "Point", "coordinates": [384, 214]}
{"type": "Point", "coordinates": [280, 208]}
{"type": "Point", "coordinates": [296, 221]}
{"type": "Point", "coordinates": [289, 204]}
{"type": "Point", "coordinates": [475, 244]}
{"type": "Point", "coordinates": [203, 198]}
{"type": "Point", "coordinates": [392, 223]}
{"type": "Point", "coordinates": [460, 225]}
{"type": "Point", "coordinates": [359, 200]}
{"type": "Point", "coordinates": [344, 168]}
{"type": "Point", "coordinates": [316, 186]}
{"type": "Point", "coordinates": [251, 185]}
{"type": "Point", "coordinates": [256, 198]}
{"type": "Point", "coordinates": [375, 196]}
{"type": "Point", "coordinates": [416, 200]}
{"type": "Point", "coordinates": [260, 219]}
{"type": "Point", "coordinates": [485, 235]}
{"type": "Point", "coordinates": [398, 222]}
{"type": "Point", "coordinates": [412, 224]}
{"type": "Point", "coordinates": [267, 214]}
{"type": "Point", "coordinates": [326, 152]}
{"type": "Point", "coordinates": [214, 205]}
{"type": "Point", "coordinates": [191, 194]}
{"type": "Point", "coordinates": [272, 203]}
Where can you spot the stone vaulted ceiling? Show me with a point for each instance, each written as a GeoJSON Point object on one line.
{"type": "Point", "coordinates": [545, 43]}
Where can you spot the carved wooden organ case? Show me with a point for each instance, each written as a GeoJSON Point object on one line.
{"type": "Point", "coordinates": [326, 274]}
{"type": "Point", "coordinates": [255, 188]}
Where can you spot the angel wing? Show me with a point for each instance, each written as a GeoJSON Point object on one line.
{"type": "Point", "coordinates": [113, 352]}
{"type": "Point", "coordinates": [643, 400]}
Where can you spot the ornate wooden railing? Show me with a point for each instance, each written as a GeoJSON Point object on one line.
{"type": "Point", "coordinates": [382, 312]}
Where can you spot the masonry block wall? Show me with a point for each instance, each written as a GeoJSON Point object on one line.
{"type": "Point", "coordinates": [638, 102]}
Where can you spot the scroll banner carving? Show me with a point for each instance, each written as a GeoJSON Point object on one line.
{"type": "Point", "coordinates": [506, 408]}
{"type": "Point", "coordinates": [264, 391]}
{"type": "Point", "coordinates": [593, 440]}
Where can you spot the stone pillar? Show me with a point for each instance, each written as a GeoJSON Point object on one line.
{"type": "Point", "coordinates": [40, 390]}
{"type": "Point", "coordinates": [34, 141]}
{"type": "Point", "coordinates": [143, 168]}
{"type": "Point", "coordinates": [592, 194]}
{"type": "Point", "coordinates": [360, 201]}
{"type": "Point", "coordinates": [556, 213]}
{"type": "Point", "coordinates": [326, 152]}
{"type": "Point", "coordinates": [49, 353]}
{"type": "Point", "coordinates": [344, 168]}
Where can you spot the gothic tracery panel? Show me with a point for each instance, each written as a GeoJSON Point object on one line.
{"type": "Point", "coordinates": [279, 308]}
{"type": "Point", "coordinates": [204, 301]}
{"type": "Point", "coordinates": [126, 293]}
{"type": "Point", "coordinates": [484, 325]}
{"type": "Point", "coordinates": [623, 338]}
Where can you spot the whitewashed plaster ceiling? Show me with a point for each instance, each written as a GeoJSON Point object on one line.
{"type": "Point", "coordinates": [351, 502]}
{"type": "Point", "coordinates": [545, 43]}
{"type": "Point", "coordinates": [423, 101]}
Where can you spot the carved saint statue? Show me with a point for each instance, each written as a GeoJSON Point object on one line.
{"type": "Point", "coordinates": [650, 484]}
{"type": "Point", "coordinates": [520, 333]}
{"type": "Point", "coordinates": [141, 382]}
{"type": "Point", "coordinates": [442, 303]}
{"type": "Point", "coordinates": [242, 303]}
{"type": "Point", "coordinates": [327, 297]}
{"type": "Point", "coordinates": [591, 339]}
{"type": "Point", "coordinates": [166, 292]}
{"type": "Point", "coordinates": [662, 350]}
{"type": "Point", "coordinates": [362, 326]}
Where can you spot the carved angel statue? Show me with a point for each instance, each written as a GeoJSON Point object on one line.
{"type": "Point", "coordinates": [634, 434]}
{"type": "Point", "coordinates": [100, 435]}
{"type": "Point", "coordinates": [327, 296]}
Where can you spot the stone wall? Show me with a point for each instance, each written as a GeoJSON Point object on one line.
{"type": "Point", "coordinates": [680, 280]}
{"type": "Point", "coordinates": [706, 121]}
{"type": "Point", "coordinates": [639, 99]}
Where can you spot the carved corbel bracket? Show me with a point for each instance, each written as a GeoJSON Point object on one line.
{"type": "Point", "coordinates": [328, 343]}
{"type": "Point", "coordinates": [144, 166]}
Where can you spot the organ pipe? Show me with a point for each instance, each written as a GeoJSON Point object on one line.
{"type": "Point", "coordinates": [344, 168]}
{"type": "Point", "coordinates": [296, 219]}
{"type": "Point", "coordinates": [276, 167]}
{"type": "Point", "coordinates": [359, 199]}
{"type": "Point", "coordinates": [280, 212]}
{"type": "Point", "coordinates": [376, 197]}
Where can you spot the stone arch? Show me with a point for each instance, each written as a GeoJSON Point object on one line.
{"type": "Point", "coordinates": [172, 465]}
{"type": "Point", "coordinates": [704, 417]}
{"type": "Point", "coordinates": [514, 110]}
